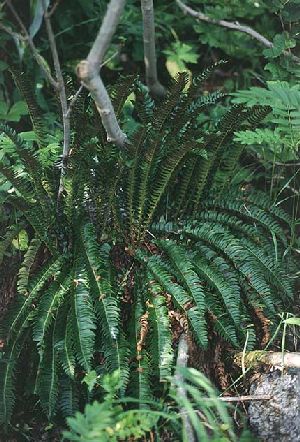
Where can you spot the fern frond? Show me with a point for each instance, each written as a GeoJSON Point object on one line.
{"type": "Point", "coordinates": [204, 75]}
{"type": "Point", "coordinates": [17, 317]}
{"type": "Point", "coordinates": [63, 339]}
{"type": "Point", "coordinates": [144, 105]}
{"type": "Point", "coordinates": [196, 322]}
{"type": "Point", "coordinates": [27, 156]}
{"type": "Point", "coordinates": [131, 179]}
{"type": "Point", "coordinates": [140, 382]}
{"type": "Point", "coordinates": [185, 273]}
{"type": "Point", "coordinates": [232, 119]}
{"type": "Point", "coordinates": [120, 93]}
{"type": "Point", "coordinates": [106, 305]}
{"type": "Point", "coordinates": [164, 110]}
{"type": "Point", "coordinates": [221, 320]}
{"type": "Point", "coordinates": [261, 200]}
{"type": "Point", "coordinates": [162, 180]}
{"type": "Point", "coordinates": [68, 401]}
{"type": "Point", "coordinates": [47, 376]}
{"type": "Point", "coordinates": [49, 302]}
{"type": "Point", "coordinates": [275, 275]}
{"type": "Point", "coordinates": [20, 181]}
{"type": "Point", "coordinates": [249, 212]}
{"type": "Point", "coordinates": [192, 101]}
{"type": "Point", "coordinates": [228, 165]}
{"type": "Point", "coordinates": [144, 176]}
{"type": "Point", "coordinates": [239, 267]}
{"type": "Point", "coordinates": [83, 318]}
{"type": "Point", "coordinates": [234, 223]}
{"type": "Point", "coordinates": [42, 226]}
{"type": "Point", "coordinates": [162, 274]}
{"type": "Point", "coordinates": [66, 350]}
{"type": "Point", "coordinates": [230, 294]}
{"type": "Point", "coordinates": [220, 243]}
{"type": "Point", "coordinates": [7, 374]}
{"type": "Point", "coordinates": [198, 180]}
{"type": "Point", "coordinates": [24, 85]}
{"type": "Point", "coordinates": [29, 257]}
{"type": "Point", "coordinates": [184, 184]}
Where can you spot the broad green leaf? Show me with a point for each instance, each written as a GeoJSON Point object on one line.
{"type": "Point", "coordinates": [28, 136]}
{"type": "Point", "coordinates": [292, 321]}
{"type": "Point", "coordinates": [17, 110]}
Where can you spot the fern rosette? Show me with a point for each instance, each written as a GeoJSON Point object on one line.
{"type": "Point", "coordinates": [144, 244]}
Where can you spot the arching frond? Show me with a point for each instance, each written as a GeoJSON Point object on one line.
{"type": "Point", "coordinates": [83, 318]}
{"type": "Point", "coordinates": [7, 371]}
{"type": "Point", "coordinates": [47, 375]}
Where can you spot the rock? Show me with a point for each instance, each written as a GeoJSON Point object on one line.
{"type": "Point", "coordinates": [276, 420]}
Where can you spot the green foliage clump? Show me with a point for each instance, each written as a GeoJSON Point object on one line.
{"type": "Point", "coordinates": [281, 141]}
{"type": "Point", "coordinates": [141, 241]}
{"type": "Point", "coordinates": [108, 421]}
{"type": "Point", "coordinates": [200, 409]}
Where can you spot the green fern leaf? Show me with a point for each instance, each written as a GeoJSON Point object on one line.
{"type": "Point", "coordinates": [18, 316]}
{"type": "Point", "coordinates": [7, 370]}
{"type": "Point", "coordinates": [68, 401]}
{"type": "Point", "coordinates": [47, 376]}
{"type": "Point", "coordinates": [83, 318]}
{"type": "Point", "coordinates": [184, 270]}
{"type": "Point", "coordinates": [50, 301]}
{"type": "Point", "coordinates": [29, 257]}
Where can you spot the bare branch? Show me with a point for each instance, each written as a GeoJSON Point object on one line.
{"type": "Point", "coordinates": [62, 95]}
{"type": "Point", "coordinates": [105, 34]}
{"type": "Point", "coordinates": [73, 100]}
{"type": "Point", "coordinates": [88, 72]}
{"type": "Point", "coordinates": [235, 26]}
{"type": "Point", "coordinates": [12, 33]}
{"type": "Point", "coordinates": [40, 61]}
{"type": "Point", "coordinates": [182, 360]}
{"type": "Point", "coordinates": [155, 87]}
{"type": "Point", "coordinates": [53, 9]}
{"type": "Point", "coordinates": [262, 397]}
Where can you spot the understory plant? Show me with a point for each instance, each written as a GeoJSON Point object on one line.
{"type": "Point", "coordinates": [111, 421]}
{"type": "Point", "coordinates": [280, 141]}
{"type": "Point", "coordinates": [142, 244]}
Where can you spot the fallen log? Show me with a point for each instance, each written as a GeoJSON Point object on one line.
{"type": "Point", "coordinates": [261, 357]}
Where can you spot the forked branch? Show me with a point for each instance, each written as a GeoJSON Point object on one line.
{"type": "Point", "coordinates": [88, 72]}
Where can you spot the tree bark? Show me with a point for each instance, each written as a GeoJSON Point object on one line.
{"type": "Point", "coordinates": [155, 87]}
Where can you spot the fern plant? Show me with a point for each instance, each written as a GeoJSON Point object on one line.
{"type": "Point", "coordinates": [208, 417]}
{"type": "Point", "coordinates": [109, 421]}
{"type": "Point", "coordinates": [142, 245]}
{"type": "Point", "coordinates": [281, 141]}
